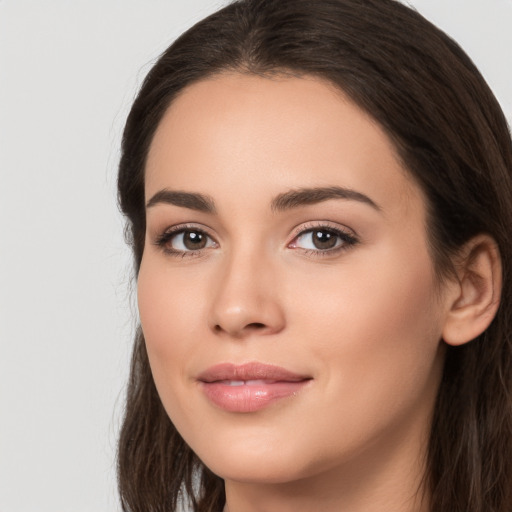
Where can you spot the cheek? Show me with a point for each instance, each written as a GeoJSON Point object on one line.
{"type": "Point", "coordinates": [169, 314]}
{"type": "Point", "coordinates": [376, 329]}
{"type": "Point", "coordinates": [369, 301]}
{"type": "Point", "coordinates": [169, 303]}
{"type": "Point", "coordinates": [156, 317]}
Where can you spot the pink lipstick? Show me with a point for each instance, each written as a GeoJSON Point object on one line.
{"type": "Point", "coordinates": [249, 387]}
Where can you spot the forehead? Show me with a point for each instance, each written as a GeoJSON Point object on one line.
{"type": "Point", "coordinates": [260, 135]}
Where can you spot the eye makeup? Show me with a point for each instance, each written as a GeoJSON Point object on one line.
{"type": "Point", "coordinates": [185, 240]}
{"type": "Point", "coordinates": [319, 238]}
{"type": "Point", "coordinates": [322, 238]}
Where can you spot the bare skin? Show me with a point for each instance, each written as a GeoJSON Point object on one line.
{"type": "Point", "coordinates": [360, 316]}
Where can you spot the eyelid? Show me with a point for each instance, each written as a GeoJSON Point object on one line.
{"type": "Point", "coordinates": [348, 237]}
{"type": "Point", "coordinates": [188, 225]}
{"type": "Point", "coordinates": [178, 228]}
{"type": "Point", "coordinates": [317, 224]}
{"type": "Point", "coordinates": [166, 235]}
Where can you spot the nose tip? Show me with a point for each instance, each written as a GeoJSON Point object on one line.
{"type": "Point", "coordinates": [239, 322]}
{"type": "Point", "coordinates": [246, 304]}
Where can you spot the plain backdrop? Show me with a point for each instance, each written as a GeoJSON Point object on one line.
{"type": "Point", "coordinates": [68, 73]}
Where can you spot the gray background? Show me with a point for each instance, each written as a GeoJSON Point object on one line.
{"type": "Point", "coordinates": [68, 73]}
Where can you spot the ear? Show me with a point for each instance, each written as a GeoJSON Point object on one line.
{"type": "Point", "coordinates": [475, 295]}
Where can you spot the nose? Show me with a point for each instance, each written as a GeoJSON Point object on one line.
{"type": "Point", "coordinates": [246, 300]}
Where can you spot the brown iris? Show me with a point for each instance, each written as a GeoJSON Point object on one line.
{"type": "Point", "coordinates": [194, 240]}
{"type": "Point", "coordinates": [324, 239]}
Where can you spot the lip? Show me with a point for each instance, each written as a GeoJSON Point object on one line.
{"type": "Point", "coordinates": [249, 387]}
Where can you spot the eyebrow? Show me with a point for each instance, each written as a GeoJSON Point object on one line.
{"type": "Point", "coordinates": [307, 196]}
{"type": "Point", "coordinates": [193, 201]}
{"type": "Point", "coordinates": [282, 202]}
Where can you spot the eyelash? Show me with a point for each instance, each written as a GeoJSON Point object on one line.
{"type": "Point", "coordinates": [347, 239]}
{"type": "Point", "coordinates": [162, 241]}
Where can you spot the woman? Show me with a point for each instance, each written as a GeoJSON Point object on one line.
{"type": "Point", "coordinates": [319, 203]}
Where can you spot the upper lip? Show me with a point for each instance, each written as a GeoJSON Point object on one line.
{"type": "Point", "coordinates": [249, 371]}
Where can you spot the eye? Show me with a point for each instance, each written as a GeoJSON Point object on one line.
{"type": "Point", "coordinates": [323, 239]}
{"type": "Point", "coordinates": [185, 240]}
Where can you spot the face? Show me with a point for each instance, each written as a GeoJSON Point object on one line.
{"type": "Point", "coordinates": [286, 292]}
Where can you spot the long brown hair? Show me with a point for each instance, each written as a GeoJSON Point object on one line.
{"type": "Point", "coordinates": [452, 137]}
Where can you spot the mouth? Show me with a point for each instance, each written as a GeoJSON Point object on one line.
{"type": "Point", "coordinates": [249, 387]}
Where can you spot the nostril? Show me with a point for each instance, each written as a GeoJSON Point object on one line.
{"type": "Point", "coordinates": [255, 325]}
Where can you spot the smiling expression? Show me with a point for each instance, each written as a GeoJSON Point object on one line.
{"type": "Point", "coordinates": [283, 232]}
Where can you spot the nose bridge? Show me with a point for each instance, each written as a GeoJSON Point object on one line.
{"type": "Point", "coordinates": [246, 298]}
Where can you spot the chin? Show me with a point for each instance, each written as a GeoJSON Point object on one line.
{"type": "Point", "coordinates": [254, 460]}
{"type": "Point", "coordinates": [257, 470]}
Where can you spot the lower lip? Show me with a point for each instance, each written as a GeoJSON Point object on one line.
{"type": "Point", "coordinates": [249, 398]}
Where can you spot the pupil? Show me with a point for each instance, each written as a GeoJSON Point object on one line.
{"type": "Point", "coordinates": [194, 240]}
{"type": "Point", "coordinates": [324, 239]}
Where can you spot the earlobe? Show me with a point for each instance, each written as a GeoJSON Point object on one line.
{"type": "Point", "coordinates": [477, 291]}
